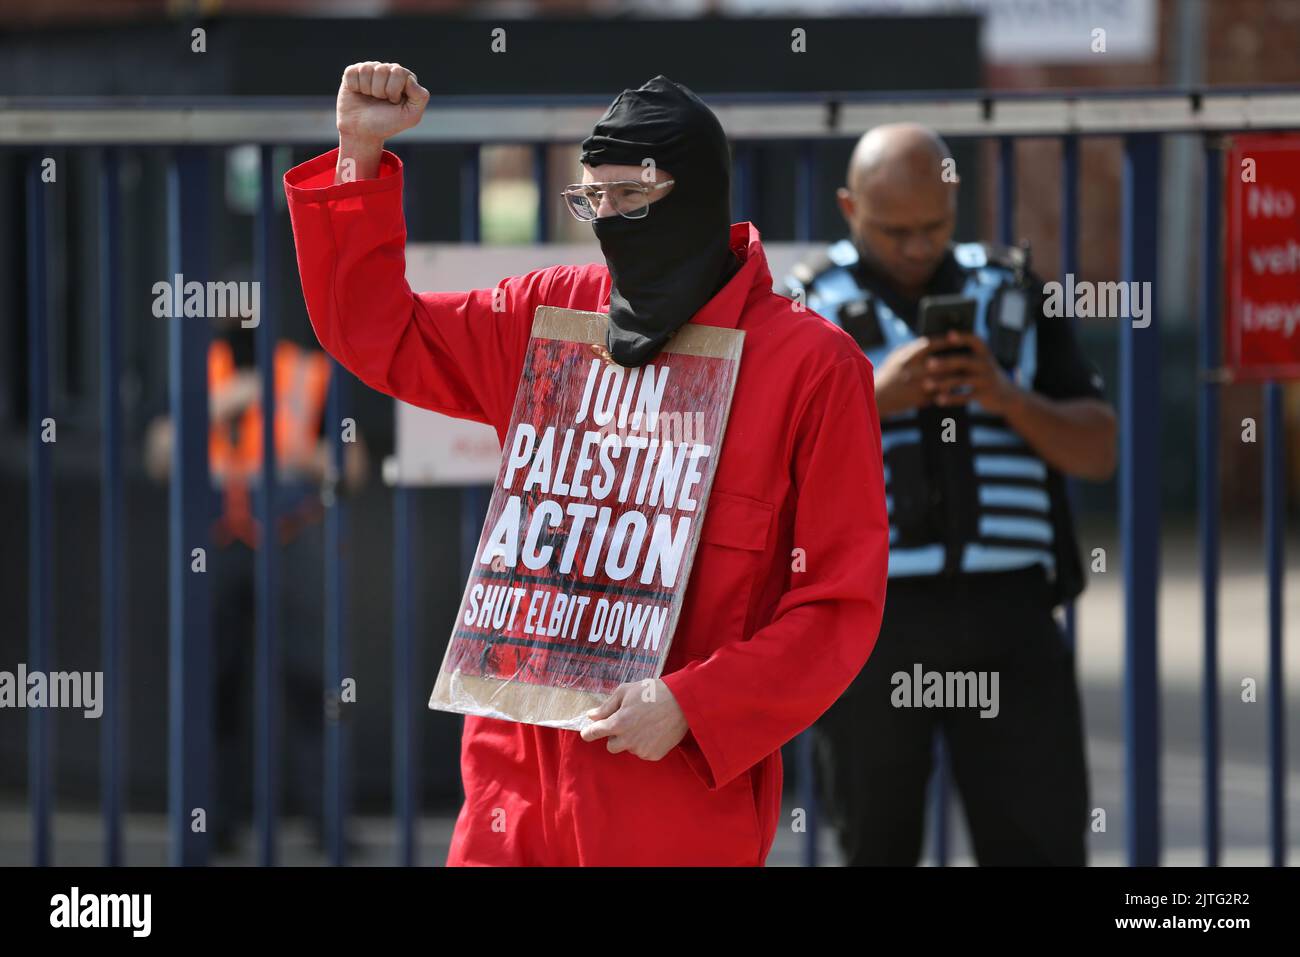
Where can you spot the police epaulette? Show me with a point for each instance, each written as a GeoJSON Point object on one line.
{"type": "Point", "coordinates": [1000, 255]}
{"type": "Point", "coordinates": [1015, 258]}
{"type": "Point", "coordinates": [809, 269]}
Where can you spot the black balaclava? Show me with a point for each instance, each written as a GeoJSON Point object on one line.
{"type": "Point", "coordinates": [666, 266]}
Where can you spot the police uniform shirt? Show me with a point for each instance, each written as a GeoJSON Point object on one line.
{"type": "Point", "coordinates": [966, 493]}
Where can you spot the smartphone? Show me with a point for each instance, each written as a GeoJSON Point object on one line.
{"type": "Point", "coordinates": [940, 315]}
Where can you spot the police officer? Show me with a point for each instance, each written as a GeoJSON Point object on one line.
{"type": "Point", "coordinates": [978, 429]}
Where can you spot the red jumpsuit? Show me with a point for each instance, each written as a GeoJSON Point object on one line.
{"type": "Point", "coordinates": [788, 584]}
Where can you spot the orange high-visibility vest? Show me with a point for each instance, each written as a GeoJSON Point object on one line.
{"type": "Point", "coordinates": [235, 449]}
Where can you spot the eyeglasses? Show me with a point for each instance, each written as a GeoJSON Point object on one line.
{"type": "Point", "coordinates": [630, 199]}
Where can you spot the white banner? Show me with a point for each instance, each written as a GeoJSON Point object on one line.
{"type": "Point", "coordinates": [1015, 31]}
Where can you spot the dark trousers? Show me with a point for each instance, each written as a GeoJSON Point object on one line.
{"type": "Point", "coordinates": [1021, 775]}
{"type": "Point", "coordinates": [300, 697]}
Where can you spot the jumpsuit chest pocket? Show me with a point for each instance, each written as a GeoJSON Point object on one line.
{"type": "Point", "coordinates": [728, 565]}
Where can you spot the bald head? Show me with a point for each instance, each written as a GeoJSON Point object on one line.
{"type": "Point", "coordinates": [899, 203]}
{"type": "Point", "coordinates": [902, 151]}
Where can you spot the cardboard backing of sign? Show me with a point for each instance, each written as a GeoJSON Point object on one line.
{"type": "Point", "coordinates": [582, 565]}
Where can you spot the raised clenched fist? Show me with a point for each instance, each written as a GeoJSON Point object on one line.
{"type": "Point", "coordinates": [378, 100]}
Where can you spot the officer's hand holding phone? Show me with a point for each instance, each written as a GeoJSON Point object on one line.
{"type": "Point", "coordinates": [901, 381]}
{"type": "Point", "coordinates": [955, 378]}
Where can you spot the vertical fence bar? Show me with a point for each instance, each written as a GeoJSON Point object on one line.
{"type": "Point", "coordinates": [939, 800]}
{"type": "Point", "coordinates": [1069, 240]}
{"type": "Point", "coordinates": [470, 217]}
{"type": "Point", "coordinates": [744, 194]}
{"type": "Point", "coordinates": [1069, 235]}
{"type": "Point", "coordinates": [1274, 533]}
{"type": "Point", "coordinates": [403, 674]}
{"type": "Point", "coordinates": [337, 739]}
{"type": "Point", "coordinates": [1140, 503]}
{"type": "Point", "coordinates": [1208, 498]}
{"type": "Point", "coordinates": [111, 565]}
{"type": "Point", "coordinates": [267, 587]}
{"type": "Point", "coordinates": [807, 778]}
{"type": "Point", "coordinates": [805, 193]}
{"type": "Point", "coordinates": [541, 177]}
{"type": "Point", "coordinates": [190, 664]}
{"type": "Point", "coordinates": [1006, 224]}
{"type": "Point", "coordinates": [40, 544]}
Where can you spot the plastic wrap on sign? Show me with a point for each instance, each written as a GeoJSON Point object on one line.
{"type": "Point", "coordinates": [586, 551]}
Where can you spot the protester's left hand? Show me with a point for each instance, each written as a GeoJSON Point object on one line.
{"type": "Point", "coordinates": [957, 379]}
{"type": "Point", "coordinates": [642, 717]}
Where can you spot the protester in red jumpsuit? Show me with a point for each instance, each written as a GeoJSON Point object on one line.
{"type": "Point", "coordinates": [787, 588]}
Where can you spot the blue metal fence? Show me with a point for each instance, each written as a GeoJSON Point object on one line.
{"type": "Point", "coordinates": [955, 115]}
{"type": "Point", "coordinates": [112, 750]}
{"type": "Point", "coordinates": [40, 783]}
{"type": "Point", "coordinates": [1207, 461]}
{"type": "Point", "coordinates": [1139, 477]}
{"type": "Point", "coordinates": [190, 645]}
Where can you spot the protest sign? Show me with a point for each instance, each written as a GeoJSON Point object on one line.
{"type": "Point", "coordinates": [580, 571]}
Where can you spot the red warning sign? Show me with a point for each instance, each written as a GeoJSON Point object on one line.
{"type": "Point", "coordinates": [1262, 249]}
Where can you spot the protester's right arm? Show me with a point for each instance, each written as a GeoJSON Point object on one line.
{"type": "Point", "coordinates": [459, 353]}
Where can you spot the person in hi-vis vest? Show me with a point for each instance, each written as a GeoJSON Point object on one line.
{"type": "Point", "coordinates": [977, 431]}
{"type": "Point", "coordinates": [301, 377]}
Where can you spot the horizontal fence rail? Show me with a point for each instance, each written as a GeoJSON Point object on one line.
{"type": "Point", "coordinates": [284, 121]}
